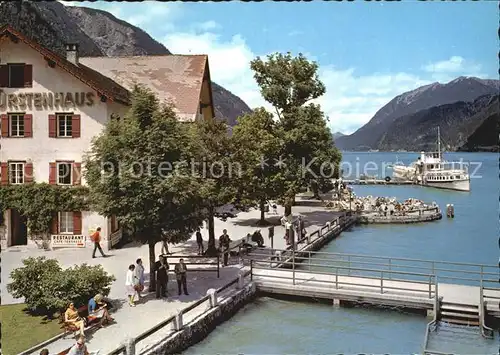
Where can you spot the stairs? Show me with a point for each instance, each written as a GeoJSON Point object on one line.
{"type": "Point", "coordinates": [460, 314]}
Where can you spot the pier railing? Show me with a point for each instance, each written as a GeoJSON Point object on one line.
{"type": "Point", "coordinates": [447, 271]}
{"type": "Point", "coordinates": [176, 322]}
{"type": "Point", "coordinates": [334, 277]}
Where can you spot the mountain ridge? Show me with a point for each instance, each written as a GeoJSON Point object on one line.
{"type": "Point", "coordinates": [99, 33]}
{"type": "Point", "coordinates": [465, 89]}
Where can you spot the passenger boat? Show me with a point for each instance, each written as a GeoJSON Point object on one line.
{"type": "Point", "coordinates": [430, 169]}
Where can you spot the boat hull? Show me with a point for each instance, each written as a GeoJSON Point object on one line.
{"type": "Point", "coordinates": [457, 185]}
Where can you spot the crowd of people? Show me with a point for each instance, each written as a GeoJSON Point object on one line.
{"type": "Point", "coordinates": [98, 307]}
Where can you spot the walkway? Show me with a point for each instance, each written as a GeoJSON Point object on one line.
{"type": "Point", "coordinates": [133, 321]}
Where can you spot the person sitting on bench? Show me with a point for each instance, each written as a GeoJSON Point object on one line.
{"type": "Point", "coordinates": [98, 310]}
{"type": "Point", "coordinates": [79, 348]}
{"type": "Point", "coordinates": [258, 238]}
{"type": "Point", "coordinates": [72, 317]}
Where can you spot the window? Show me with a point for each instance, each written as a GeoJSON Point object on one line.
{"type": "Point", "coordinates": [66, 223]}
{"type": "Point", "coordinates": [64, 125]}
{"type": "Point", "coordinates": [16, 173]}
{"type": "Point", "coordinates": [64, 174]}
{"type": "Point", "coordinates": [19, 75]}
{"type": "Point", "coordinates": [16, 124]}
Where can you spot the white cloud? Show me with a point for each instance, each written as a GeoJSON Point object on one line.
{"type": "Point", "coordinates": [69, 3]}
{"type": "Point", "coordinates": [351, 99]}
{"type": "Point", "coordinates": [207, 26]}
{"type": "Point", "coordinates": [295, 33]}
{"type": "Point", "coordinates": [229, 61]}
{"type": "Point", "coordinates": [449, 69]}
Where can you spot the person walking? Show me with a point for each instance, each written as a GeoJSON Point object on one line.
{"type": "Point", "coordinates": [180, 273]}
{"type": "Point", "coordinates": [199, 241]}
{"type": "Point", "coordinates": [161, 268]}
{"type": "Point", "coordinates": [139, 276]}
{"type": "Point", "coordinates": [224, 242]}
{"type": "Point", "coordinates": [130, 285]}
{"type": "Point", "coordinates": [96, 239]}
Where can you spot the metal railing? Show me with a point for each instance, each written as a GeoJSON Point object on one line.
{"type": "Point", "coordinates": [450, 272]}
{"type": "Point", "coordinates": [427, 280]}
{"type": "Point", "coordinates": [486, 331]}
{"type": "Point", "coordinates": [215, 262]}
{"type": "Point", "coordinates": [175, 321]}
{"type": "Point", "coordinates": [432, 325]}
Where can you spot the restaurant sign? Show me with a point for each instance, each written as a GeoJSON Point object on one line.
{"type": "Point", "coordinates": [46, 100]}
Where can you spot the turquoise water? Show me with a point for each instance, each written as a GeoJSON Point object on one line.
{"type": "Point", "coordinates": [277, 327]}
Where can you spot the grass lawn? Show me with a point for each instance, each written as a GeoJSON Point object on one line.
{"type": "Point", "coordinates": [21, 331]}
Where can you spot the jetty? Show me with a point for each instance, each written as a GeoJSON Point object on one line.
{"type": "Point", "coordinates": [378, 182]}
{"type": "Point", "coordinates": [447, 292]}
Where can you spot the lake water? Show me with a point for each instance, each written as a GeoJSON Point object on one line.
{"type": "Point", "coordinates": [271, 326]}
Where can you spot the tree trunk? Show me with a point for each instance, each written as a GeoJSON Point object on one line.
{"type": "Point", "coordinates": [262, 206]}
{"type": "Point", "coordinates": [211, 249]}
{"type": "Point", "coordinates": [152, 260]}
{"type": "Point", "coordinates": [289, 202]}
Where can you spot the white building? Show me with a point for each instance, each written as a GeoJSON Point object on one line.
{"type": "Point", "coordinates": [51, 107]}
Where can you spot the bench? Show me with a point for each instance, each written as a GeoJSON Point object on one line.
{"type": "Point", "coordinates": [90, 321]}
{"type": "Point", "coordinates": [64, 352]}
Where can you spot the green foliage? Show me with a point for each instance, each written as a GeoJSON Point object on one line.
{"type": "Point", "coordinates": [210, 153]}
{"type": "Point", "coordinates": [134, 173]}
{"type": "Point", "coordinates": [257, 147]}
{"type": "Point", "coordinates": [47, 288]}
{"type": "Point", "coordinates": [38, 202]}
{"type": "Point", "coordinates": [137, 170]}
{"type": "Point", "coordinates": [289, 84]}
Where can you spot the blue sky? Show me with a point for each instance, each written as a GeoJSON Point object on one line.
{"type": "Point", "coordinates": [368, 52]}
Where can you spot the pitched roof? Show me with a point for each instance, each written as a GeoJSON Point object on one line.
{"type": "Point", "coordinates": [173, 78]}
{"type": "Point", "coordinates": [100, 83]}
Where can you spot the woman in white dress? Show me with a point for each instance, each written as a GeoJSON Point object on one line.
{"type": "Point", "coordinates": [130, 285]}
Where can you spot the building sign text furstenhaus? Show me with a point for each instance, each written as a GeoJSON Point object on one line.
{"type": "Point", "coordinates": [46, 100]}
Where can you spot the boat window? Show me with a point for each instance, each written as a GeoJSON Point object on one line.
{"type": "Point", "coordinates": [457, 177]}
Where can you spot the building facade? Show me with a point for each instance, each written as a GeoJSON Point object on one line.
{"type": "Point", "coordinates": [51, 107]}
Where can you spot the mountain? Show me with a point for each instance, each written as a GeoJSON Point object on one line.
{"type": "Point", "coordinates": [456, 121]}
{"type": "Point", "coordinates": [464, 89]}
{"type": "Point", "coordinates": [337, 135]}
{"type": "Point", "coordinates": [485, 136]}
{"type": "Point", "coordinates": [98, 33]}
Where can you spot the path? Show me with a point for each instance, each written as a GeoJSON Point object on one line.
{"type": "Point", "coordinates": [133, 321]}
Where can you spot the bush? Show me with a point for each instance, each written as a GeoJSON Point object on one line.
{"type": "Point", "coordinates": [47, 288]}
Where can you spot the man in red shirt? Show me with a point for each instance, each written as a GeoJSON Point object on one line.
{"type": "Point", "coordinates": [96, 238]}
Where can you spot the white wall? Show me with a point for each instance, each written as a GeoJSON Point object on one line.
{"type": "Point", "coordinates": [42, 149]}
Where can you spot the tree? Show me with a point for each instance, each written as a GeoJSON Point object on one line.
{"type": "Point", "coordinates": [308, 154]}
{"type": "Point", "coordinates": [257, 147]}
{"type": "Point", "coordinates": [49, 200]}
{"type": "Point", "coordinates": [47, 288]}
{"type": "Point", "coordinates": [211, 161]}
{"type": "Point", "coordinates": [136, 171]}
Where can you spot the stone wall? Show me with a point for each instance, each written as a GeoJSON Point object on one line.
{"type": "Point", "coordinates": [198, 329]}
{"type": "Point", "coordinates": [400, 219]}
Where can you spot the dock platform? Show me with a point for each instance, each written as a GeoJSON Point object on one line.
{"type": "Point", "coordinates": [448, 292]}
{"type": "Point", "coordinates": [378, 182]}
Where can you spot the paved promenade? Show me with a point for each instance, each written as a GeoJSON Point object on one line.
{"type": "Point", "coordinates": [133, 321]}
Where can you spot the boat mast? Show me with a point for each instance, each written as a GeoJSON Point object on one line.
{"type": "Point", "coordinates": [439, 145]}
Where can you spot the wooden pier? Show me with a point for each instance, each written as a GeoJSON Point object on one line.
{"type": "Point", "coordinates": [378, 182]}
{"type": "Point", "coordinates": [455, 293]}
